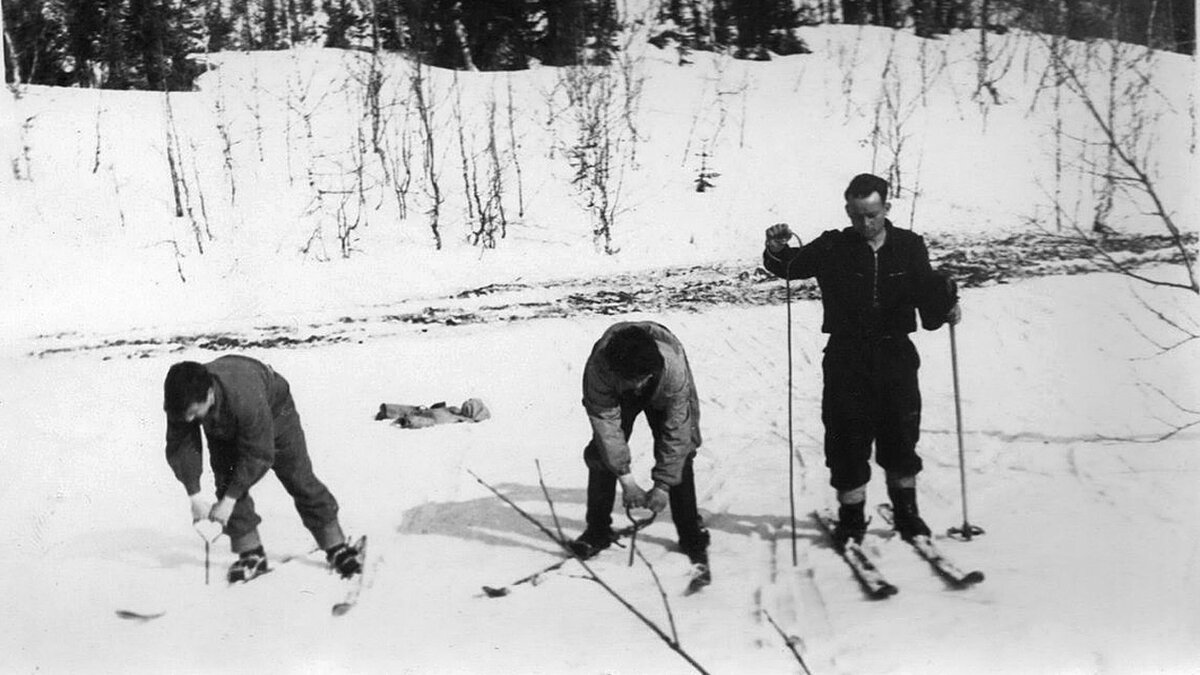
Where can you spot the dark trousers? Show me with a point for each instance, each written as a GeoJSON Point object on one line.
{"type": "Point", "coordinates": [314, 502]}
{"type": "Point", "coordinates": [602, 485]}
{"type": "Point", "coordinates": [871, 396]}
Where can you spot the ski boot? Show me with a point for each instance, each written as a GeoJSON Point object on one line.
{"type": "Point", "coordinates": [906, 519]}
{"type": "Point", "coordinates": [344, 559]}
{"type": "Point", "coordinates": [591, 542]}
{"type": "Point", "coordinates": [249, 564]}
{"type": "Point", "coordinates": [701, 573]}
{"type": "Point", "coordinates": [851, 524]}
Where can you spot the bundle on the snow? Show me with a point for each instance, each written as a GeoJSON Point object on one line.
{"type": "Point", "coordinates": [419, 416]}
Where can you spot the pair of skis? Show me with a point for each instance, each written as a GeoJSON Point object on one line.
{"type": "Point", "coordinates": [872, 579]}
{"type": "Point", "coordinates": [357, 583]}
{"type": "Point", "coordinates": [698, 577]}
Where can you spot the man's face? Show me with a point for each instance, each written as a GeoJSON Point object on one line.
{"type": "Point", "coordinates": [197, 411]}
{"type": "Point", "coordinates": [867, 215]}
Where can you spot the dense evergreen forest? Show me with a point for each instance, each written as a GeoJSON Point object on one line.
{"type": "Point", "coordinates": [150, 44]}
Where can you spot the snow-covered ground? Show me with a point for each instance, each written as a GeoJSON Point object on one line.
{"type": "Point", "coordinates": [1090, 551]}
{"type": "Point", "coordinates": [1091, 544]}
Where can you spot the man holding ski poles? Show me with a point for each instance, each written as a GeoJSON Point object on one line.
{"type": "Point", "coordinates": [872, 277]}
{"type": "Point", "coordinates": [638, 367]}
{"type": "Point", "coordinates": [250, 421]}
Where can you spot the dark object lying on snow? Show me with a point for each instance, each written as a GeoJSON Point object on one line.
{"type": "Point", "coordinates": [419, 416]}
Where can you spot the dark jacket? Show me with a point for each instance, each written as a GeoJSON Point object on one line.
{"type": "Point", "coordinates": [672, 399]}
{"type": "Point", "coordinates": [868, 293]}
{"type": "Point", "coordinates": [252, 405]}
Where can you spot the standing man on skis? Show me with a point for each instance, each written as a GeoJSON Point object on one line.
{"type": "Point", "coordinates": [640, 367]}
{"type": "Point", "coordinates": [872, 276]}
{"type": "Point", "coordinates": [251, 425]}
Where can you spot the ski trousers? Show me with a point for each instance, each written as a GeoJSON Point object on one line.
{"type": "Point", "coordinates": [292, 466]}
{"type": "Point", "coordinates": [871, 397]}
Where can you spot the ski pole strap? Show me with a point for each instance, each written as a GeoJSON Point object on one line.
{"type": "Point", "coordinates": [636, 524]}
{"type": "Point", "coordinates": [639, 523]}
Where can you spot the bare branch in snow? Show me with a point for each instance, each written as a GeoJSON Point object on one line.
{"type": "Point", "coordinates": [671, 642]}
{"type": "Point", "coordinates": [1121, 123]}
{"type": "Point", "coordinates": [514, 148]}
{"type": "Point", "coordinates": [425, 112]}
{"type": "Point", "coordinates": [178, 256]}
{"type": "Point", "coordinates": [791, 644]}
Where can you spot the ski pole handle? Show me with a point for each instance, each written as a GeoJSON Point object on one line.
{"type": "Point", "coordinates": [209, 532]}
{"type": "Point", "coordinates": [637, 525]}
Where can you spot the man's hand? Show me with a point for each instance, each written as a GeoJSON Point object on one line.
{"type": "Point", "coordinates": [954, 315]}
{"type": "Point", "coordinates": [778, 236]}
{"type": "Point", "coordinates": [632, 494]}
{"type": "Point", "coordinates": [201, 507]}
{"type": "Point", "coordinates": [222, 510]}
{"type": "Point", "coordinates": [657, 499]}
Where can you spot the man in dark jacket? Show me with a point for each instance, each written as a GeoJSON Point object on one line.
{"type": "Point", "coordinates": [872, 277]}
{"type": "Point", "coordinates": [636, 367]}
{"type": "Point", "coordinates": [251, 425]}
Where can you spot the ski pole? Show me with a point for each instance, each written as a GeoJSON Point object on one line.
{"type": "Point", "coordinates": [967, 531]}
{"type": "Point", "coordinates": [787, 286]}
{"type": "Point", "coordinates": [197, 525]}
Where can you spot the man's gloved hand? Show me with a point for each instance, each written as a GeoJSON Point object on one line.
{"type": "Point", "coordinates": [201, 507]}
{"type": "Point", "coordinates": [632, 494]}
{"type": "Point", "coordinates": [954, 315]}
{"type": "Point", "coordinates": [658, 498]}
{"type": "Point", "coordinates": [778, 236]}
{"type": "Point", "coordinates": [222, 510]}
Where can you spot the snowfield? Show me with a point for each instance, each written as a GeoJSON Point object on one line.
{"type": "Point", "coordinates": [1089, 553]}
{"type": "Point", "coordinates": [1080, 462]}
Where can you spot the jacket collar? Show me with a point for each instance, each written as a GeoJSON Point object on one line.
{"type": "Point", "coordinates": [218, 412]}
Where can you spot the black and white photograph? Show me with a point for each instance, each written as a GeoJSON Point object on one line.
{"type": "Point", "coordinates": [828, 337]}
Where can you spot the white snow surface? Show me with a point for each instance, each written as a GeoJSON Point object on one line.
{"type": "Point", "coordinates": [1091, 544]}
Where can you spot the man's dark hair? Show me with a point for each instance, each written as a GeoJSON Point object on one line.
{"type": "Point", "coordinates": [187, 382]}
{"type": "Point", "coordinates": [864, 184]}
{"type": "Point", "coordinates": [632, 353]}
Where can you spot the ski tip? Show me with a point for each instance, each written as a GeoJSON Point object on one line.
{"type": "Point", "coordinates": [973, 577]}
{"type": "Point", "coordinates": [342, 607]}
{"type": "Point", "coordinates": [495, 592]}
{"type": "Point", "coordinates": [137, 616]}
{"type": "Point", "coordinates": [884, 592]}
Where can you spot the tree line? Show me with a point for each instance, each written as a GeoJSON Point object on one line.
{"type": "Point", "coordinates": [1160, 24]}
{"type": "Point", "coordinates": [150, 44]}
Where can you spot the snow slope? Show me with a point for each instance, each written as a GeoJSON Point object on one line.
{"type": "Point", "coordinates": [96, 197]}
{"type": "Point", "coordinates": [1091, 543]}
